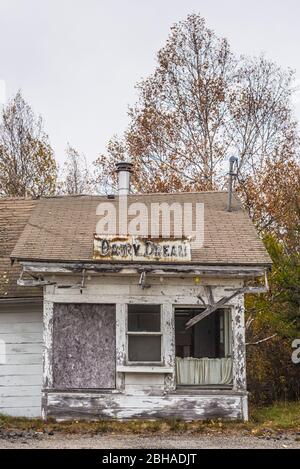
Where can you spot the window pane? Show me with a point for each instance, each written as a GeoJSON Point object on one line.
{"type": "Point", "coordinates": [144, 318]}
{"type": "Point", "coordinates": [144, 348]}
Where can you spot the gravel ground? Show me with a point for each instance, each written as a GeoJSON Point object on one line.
{"type": "Point", "coordinates": [111, 441]}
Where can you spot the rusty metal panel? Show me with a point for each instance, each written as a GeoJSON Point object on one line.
{"type": "Point", "coordinates": [133, 248]}
{"type": "Point", "coordinates": [84, 346]}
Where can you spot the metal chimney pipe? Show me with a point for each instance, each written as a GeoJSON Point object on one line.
{"type": "Point", "coordinates": [233, 161]}
{"type": "Point", "coordinates": [124, 170]}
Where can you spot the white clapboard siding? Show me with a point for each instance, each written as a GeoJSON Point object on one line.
{"type": "Point", "coordinates": [20, 370]}
{"type": "Point", "coordinates": [20, 317]}
{"type": "Point", "coordinates": [30, 411]}
{"type": "Point", "coordinates": [19, 391]}
{"type": "Point", "coordinates": [21, 360]}
{"type": "Point", "coordinates": [21, 327]}
{"type": "Point", "coordinates": [17, 338]}
{"type": "Point", "coordinates": [20, 380]}
{"type": "Point", "coordinates": [19, 349]}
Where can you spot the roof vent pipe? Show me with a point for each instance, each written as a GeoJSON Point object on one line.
{"type": "Point", "coordinates": [233, 166]}
{"type": "Point", "coordinates": [124, 170]}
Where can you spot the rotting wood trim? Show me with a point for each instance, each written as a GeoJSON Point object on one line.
{"type": "Point", "coordinates": [121, 327]}
{"type": "Point", "coordinates": [238, 344]}
{"type": "Point", "coordinates": [47, 352]}
{"type": "Point", "coordinates": [63, 406]}
{"type": "Point", "coordinates": [33, 283]}
{"type": "Point", "coordinates": [191, 269]}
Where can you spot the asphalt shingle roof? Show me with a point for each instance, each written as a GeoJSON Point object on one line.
{"type": "Point", "coordinates": [14, 214]}
{"type": "Point", "coordinates": [62, 229]}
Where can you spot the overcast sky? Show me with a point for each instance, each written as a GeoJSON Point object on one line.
{"type": "Point", "coordinates": [77, 61]}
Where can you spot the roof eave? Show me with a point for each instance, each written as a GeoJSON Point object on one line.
{"type": "Point", "coordinates": [76, 267]}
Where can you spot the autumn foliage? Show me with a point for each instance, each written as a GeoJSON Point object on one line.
{"type": "Point", "coordinates": [27, 163]}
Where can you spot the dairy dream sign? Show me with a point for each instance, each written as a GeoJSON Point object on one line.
{"type": "Point", "coordinates": [154, 232]}
{"type": "Point", "coordinates": [133, 248]}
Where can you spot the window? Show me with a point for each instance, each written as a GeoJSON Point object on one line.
{"type": "Point", "coordinates": [203, 352]}
{"type": "Point", "coordinates": [144, 334]}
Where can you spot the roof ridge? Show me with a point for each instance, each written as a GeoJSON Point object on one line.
{"type": "Point", "coordinates": [140, 194]}
{"type": "Point", "coordinates": [5, 198]}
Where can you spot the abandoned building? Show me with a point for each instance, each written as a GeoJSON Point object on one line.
{"type": "Point", "coordinates": [95, 326]}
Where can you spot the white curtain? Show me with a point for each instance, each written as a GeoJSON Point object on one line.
{"type": "Point", "coordinates": [203, 370]}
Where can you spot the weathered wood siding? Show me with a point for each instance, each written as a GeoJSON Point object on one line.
{"type": "Point", "coordinates": [20, 359]}
{"type": "Point", "coordinates": [140, 393]}
{"type": "Point", "coordinates": [93, 406]}
{"type": "Point", "coordinates": [84, 346]}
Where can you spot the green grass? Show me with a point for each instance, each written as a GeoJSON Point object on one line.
{"type": "Point", "coordinates": [280, 416]}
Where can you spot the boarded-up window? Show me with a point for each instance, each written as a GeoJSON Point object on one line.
{"type": "Point", "coordinates": [84, 347]}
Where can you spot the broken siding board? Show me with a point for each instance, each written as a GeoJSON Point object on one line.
{"type": "Point", "coordinates": [210, 309]}
{"type": "Point", "coordinates": [84, 350]}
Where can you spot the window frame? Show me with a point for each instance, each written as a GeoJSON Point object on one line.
{"type": "Point", "coordinates": [228, 323]}
{"type": "Point", "coordinates": [230, 335]}
{"type": "Point", "coordinates": [143, 334]}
